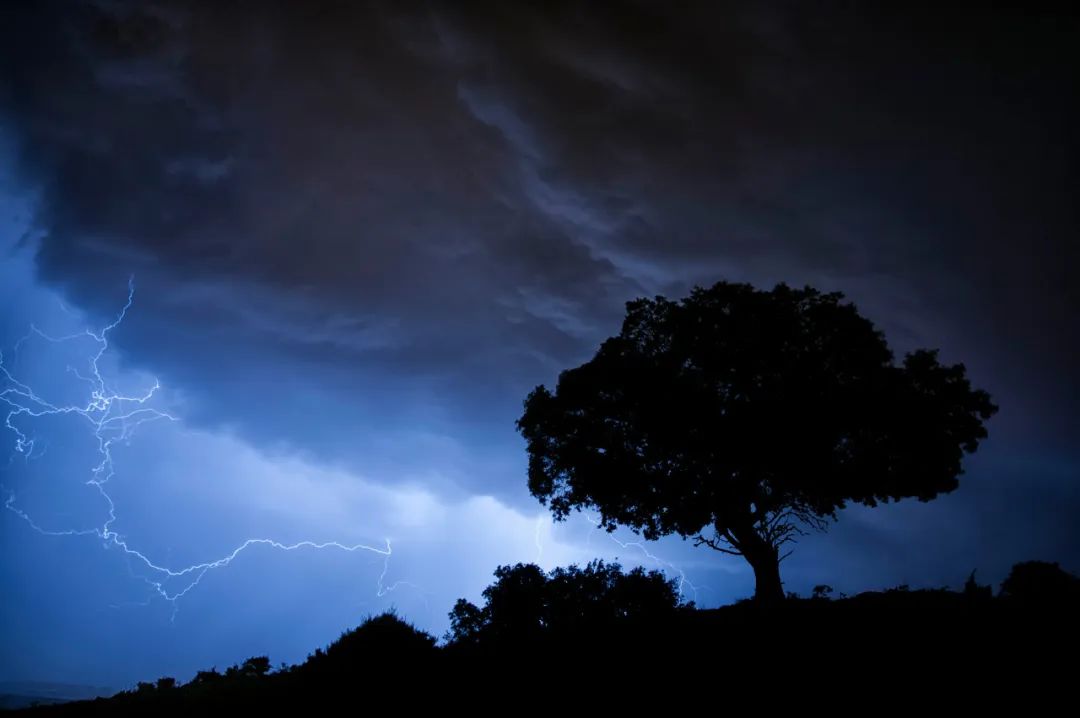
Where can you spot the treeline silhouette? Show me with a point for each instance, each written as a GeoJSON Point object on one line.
{"type": "Point", "coordinates": [602, 633]}
{"type": "Point", "coordinates": [737, 418]}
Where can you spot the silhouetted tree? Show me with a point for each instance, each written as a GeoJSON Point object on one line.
{"type": "Point", "coordinates": [256, 666]}
{"type": "Point", "coordinates": [515, 605]}
{"type": "Point", "coordinates": [206, 678]}
{"type": "Point", "coordinates": [251, 668]}
{"type": "Point", "coordinates": [525, 605]}
{"type": "Point", "coordinates": [1040, 581]}
{"type": "Point", "coordinates": [740, 417]}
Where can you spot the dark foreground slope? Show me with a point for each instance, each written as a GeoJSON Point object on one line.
{"type": "Point", "coordinates": [934, 647]}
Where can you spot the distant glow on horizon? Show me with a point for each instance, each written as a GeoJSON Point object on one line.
{"type": "Point", "coordinates": [114, 417]}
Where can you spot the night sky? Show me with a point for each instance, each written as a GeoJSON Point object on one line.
{"type": "Point", "coordinates": [359, 235]}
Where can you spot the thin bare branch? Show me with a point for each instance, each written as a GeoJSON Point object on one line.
{"type": "Point", "coordinates": [715, 545]}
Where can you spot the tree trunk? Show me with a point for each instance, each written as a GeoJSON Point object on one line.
{"type": "Point", "coordinates": [764, 558]}
{"type": "Point", "coordinates": [768, 588]}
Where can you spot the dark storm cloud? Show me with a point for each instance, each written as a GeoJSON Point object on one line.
{"type": "Point", "coordinates": [332, 159]}
{"type": "Point", "coordinates": [460, 200]}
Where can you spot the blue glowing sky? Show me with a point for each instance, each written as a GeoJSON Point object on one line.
{"type": "Point", "coordinates": [359, 237]}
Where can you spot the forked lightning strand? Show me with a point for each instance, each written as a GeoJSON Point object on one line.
{"type": "Point", "coordinates": [113, 418]}
{"type": "Point", "coordinates": [684, 582]}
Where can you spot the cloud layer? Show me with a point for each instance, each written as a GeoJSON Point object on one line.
{"type": "Point", "coordinates": [362, 232]}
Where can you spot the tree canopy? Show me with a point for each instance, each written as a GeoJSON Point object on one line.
{"type": "Point", "coordinates": [526, 605]}
{"type": "Point", "coordinates": [1040, 581]}
{"type": "Point", "coordinates": [740, 417]}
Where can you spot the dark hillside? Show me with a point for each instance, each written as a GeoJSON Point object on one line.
{"type": "Point", "coordinates": [533, 636]}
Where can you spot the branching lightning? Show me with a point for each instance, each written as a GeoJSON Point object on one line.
{"type": "Point", "coordinates": [683, 582]}
{"type": "Point", "coordinates": [114, 417]}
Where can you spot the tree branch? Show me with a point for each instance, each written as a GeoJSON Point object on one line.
{"type": "Point", "coordinates": [715, 544]}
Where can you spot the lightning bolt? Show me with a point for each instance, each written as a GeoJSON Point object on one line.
{"type": "Point", "coordinates": [683, 583]}
{"type": "Point", "coordinates": [114, 417]}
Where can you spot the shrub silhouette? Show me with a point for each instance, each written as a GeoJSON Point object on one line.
{"type": "Point", "coordinates": [740, 418]}
{"type": "Point", "coordinates": [209, 677]}
{"type": "Point", "coordinates": [525, 606]}
{"type": "Point", "coordinates": [1040, 581]}
{"type": "Point", "coordinates": [573, 625]}
{"type": "Point", "coordinates": [251, 668]}
{"type": "Point", "coordinates": [381, 643]}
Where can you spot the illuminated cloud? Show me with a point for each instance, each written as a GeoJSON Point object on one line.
{"type": "Point", "coordinates": [361, 236]}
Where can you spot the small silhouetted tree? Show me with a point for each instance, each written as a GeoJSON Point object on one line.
{"type": "Point", "coordinates": [1040, 581]}
{"type": "Point", "coordinates": [739, 418]}
{"type": "Point", "coordinates": [525, 605]}
{"type": "Point", "coordinates": [207, 678]}
{"type": "Point", "coordinates": [256, 666]}
{"type": "Point", "coordinates": [515, 604]}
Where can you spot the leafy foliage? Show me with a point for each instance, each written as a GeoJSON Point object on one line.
{"type": "Point", "coordinates": [525, 605]}
{"type": "Point", "coordinates": [1040, 581]}
{"type": "Point", "coordinates": [740, 417]}
{"type": "Point", "coordinates": [599, 631]}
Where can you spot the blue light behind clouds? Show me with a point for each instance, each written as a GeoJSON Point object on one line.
{"type": "Point", "coordinates": [79, 608]}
